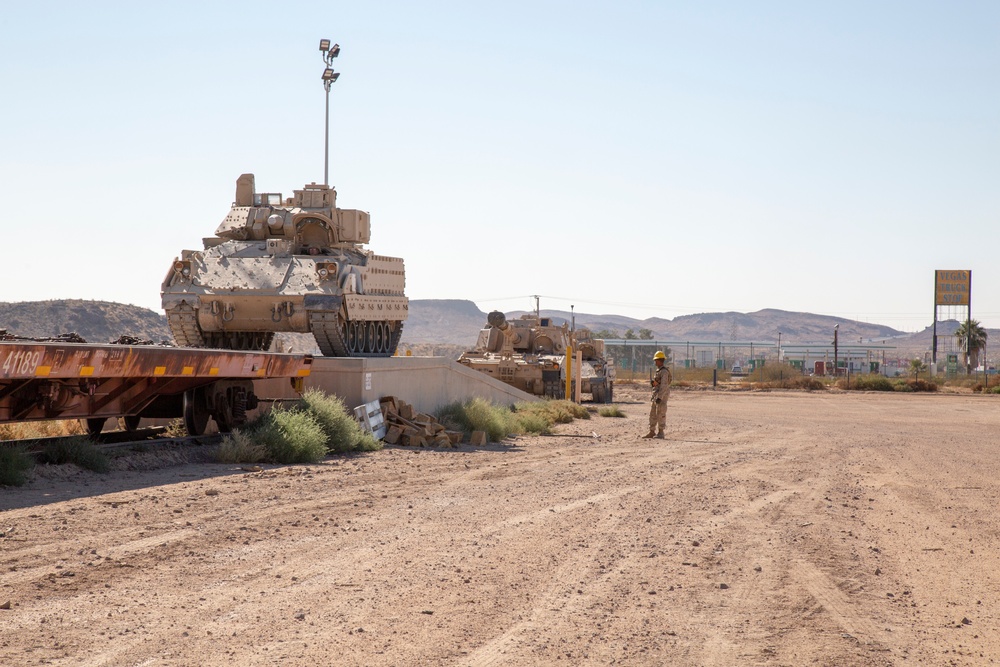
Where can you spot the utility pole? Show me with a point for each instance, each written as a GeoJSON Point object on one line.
{"type": "Point", "coordinates": [835, 355]}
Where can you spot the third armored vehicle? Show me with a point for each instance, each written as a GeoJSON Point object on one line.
{"type": "Point", "coordinates": [530, 353]}
{"type": "Point", "coordinates": [293, 264]}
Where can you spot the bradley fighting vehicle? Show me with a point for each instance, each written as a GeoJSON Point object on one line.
{"type": "Point", "coordinates": [530, 354]}
{"type": "Point", "coordinates": [279, 265]}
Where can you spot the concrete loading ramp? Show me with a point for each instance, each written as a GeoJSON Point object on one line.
{"type": "Point", "coordinates": [427, 383]}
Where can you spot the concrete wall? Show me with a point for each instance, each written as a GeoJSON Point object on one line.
{"type": "Point", "coordinates": [427, 383]}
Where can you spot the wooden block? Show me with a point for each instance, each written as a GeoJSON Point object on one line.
{"type": "Point", "coordinates": [406, 410]}
{"type": "Point", "coordinates": [389, 407]}
{"type": "Point", "coordinates": [442, 441]}
{"type": "Point", "coordinates": [454, 436]}
{"type": "Point", "coordinates": [478, 438]}
{"type": "Point", "coordinates": [393, 435]}
{"type": "Point", "coordinates": [427, 419]}
{"type": "Point", "coordinates": [418, 441]}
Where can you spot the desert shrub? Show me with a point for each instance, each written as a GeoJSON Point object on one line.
{"type": "Point", "coordinates": [914, 385]}
{"type": "Point", "coordinates": [774, 373]}
{"type": "Point", "coordinates": [685, 377]}
{"type": "Point", "coordinates": [176, 429]}
{"type": "Point", "coordinates": [534, 423]}
{"type": "Point", "coordinates": [238, 447]}
{"type": "Point", "coordinates": [41, 429]}
{"type": "Point", "coordinates": [796, 382]}
{"type": "Point", "coordinates": [343, 434]}
{"type": "Point", "coordinates": [921, 385]}
{"type": "Point", "coordinates": [868, 383]}
{"type": "Point", "coordinates": [498, 422]}
{"type": "Point", "coordinates": [289, 435]}
{"type": "Point", "coordinates": [611, 411]}
{"type": "Point", "coordinates": [969, 382]}
{"type": "Point", "coordinates": [78, 450]}
{"type": "Point", "coordinates": [993, 390]}
{"type": "Point", "coordinates": [807, 383]}
{"type": "Point", "coordinates": [554, 411]}
{"type": "Point", "coordinates": [15, 463]}
{"type": "Point", "coordinates": [480, 415]}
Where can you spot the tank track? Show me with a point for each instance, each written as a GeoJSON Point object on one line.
{"type": "Point", "coordinates": [183, 323]}
{"type": "Point", "coordinates": [337, 337]}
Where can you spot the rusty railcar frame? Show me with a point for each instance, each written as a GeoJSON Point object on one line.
{"type": "Point", "coordinates": [49, 381]}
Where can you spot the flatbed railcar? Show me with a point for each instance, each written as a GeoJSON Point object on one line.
{"type": "Point", "coordinates": [61, 380]}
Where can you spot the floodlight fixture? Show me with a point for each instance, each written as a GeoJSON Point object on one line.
{"type": "Point", "coordinates": [329, 78]}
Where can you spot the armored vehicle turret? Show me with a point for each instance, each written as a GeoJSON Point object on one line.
{"type": "Point", "coordinates": [530, 353]}
{"type": "Point", "coordinates": [287, 265]}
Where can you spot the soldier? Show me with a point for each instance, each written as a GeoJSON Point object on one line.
{"type": "Point", "coordinates": [661, 392]}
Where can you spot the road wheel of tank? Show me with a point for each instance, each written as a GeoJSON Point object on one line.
{"type": "Point", "coordinates": [196, 412]}
{"type": "Point", "coordinates": [353, 335]}
{"type": "Point", "coordinates": [131, 423]}
{"type": "Point", "coordinates": [597, 392]}
{"type": "Point", "coordinates": [338, 337]}
{"type": "Point", "coordinates": [95, 425]}
{"type": "Point", "coordinates": [611, 392]}
{"type": "Point", "coordinates": [239, 340]}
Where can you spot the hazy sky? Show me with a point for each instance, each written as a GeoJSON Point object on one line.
{"type": "Point", "coordinates": [640, 158]}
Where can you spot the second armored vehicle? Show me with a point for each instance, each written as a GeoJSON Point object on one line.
{"type": "Point", "coordinates": [296, 265]}
{"type": "Point", "coordinates": [530, 353]}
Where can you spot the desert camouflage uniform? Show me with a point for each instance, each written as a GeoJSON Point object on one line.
{"type": "Point", "coordinates": [661, 392]}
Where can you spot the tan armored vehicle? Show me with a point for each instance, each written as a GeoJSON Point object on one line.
{"type": "Point", "coordinates": [530, 353]}
{"type": "Point", "coordinates": [295, 265]}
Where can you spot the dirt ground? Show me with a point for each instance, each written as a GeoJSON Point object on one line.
{"type": "Point", "coordinates": [768, 529]}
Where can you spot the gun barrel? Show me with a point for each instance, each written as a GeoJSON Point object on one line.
{"type": "Point", "coordinates": [496, 319]}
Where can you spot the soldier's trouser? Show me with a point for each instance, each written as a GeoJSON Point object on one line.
{"type": "Point", "coordinates": [658, 416]}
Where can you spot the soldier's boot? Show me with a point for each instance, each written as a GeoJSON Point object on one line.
{"type": "Point", "coordinates": [651, 434]}
{"type": "Point", "coordinates": [660, 436]}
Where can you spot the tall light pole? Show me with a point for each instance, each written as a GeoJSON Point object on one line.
{"type": "Point", "coordinates": [836, 327]}
{"type": "Point", "coordinates": [329, 77]}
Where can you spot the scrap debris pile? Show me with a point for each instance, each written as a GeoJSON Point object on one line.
{"type": "Point", "coordinates": [406, 426]}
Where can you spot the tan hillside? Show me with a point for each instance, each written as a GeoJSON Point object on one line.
{"type": "Point", "coordinates": [95, 321]}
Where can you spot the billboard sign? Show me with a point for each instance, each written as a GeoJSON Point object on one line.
{"type": "Point", "coordinates": [952, 288]}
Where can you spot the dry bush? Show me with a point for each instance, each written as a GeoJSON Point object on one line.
{"type": "Point", "coordinates": [41, 429]}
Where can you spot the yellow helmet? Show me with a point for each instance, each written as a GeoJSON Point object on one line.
{"type": "Point", "coordinates": [659, 355]}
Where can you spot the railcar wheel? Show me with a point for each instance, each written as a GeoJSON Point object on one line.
{"type": "Point", "coordinates": [196, 413]}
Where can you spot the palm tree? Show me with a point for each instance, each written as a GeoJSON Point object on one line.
{"type": "Point", "coordinates": [971, 339]}
{"type": "Point", "coordinates": [917, 366]}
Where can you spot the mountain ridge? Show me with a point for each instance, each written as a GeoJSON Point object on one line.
{"type": "Point", "coordinates": [446, 326]}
